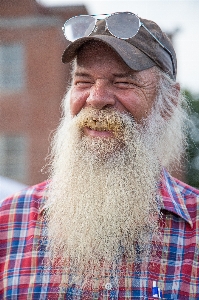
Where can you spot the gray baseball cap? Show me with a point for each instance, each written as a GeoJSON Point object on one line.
{"type": "Point", "coordinates": [140, 52]}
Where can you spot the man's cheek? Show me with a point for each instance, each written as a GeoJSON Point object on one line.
{"type": "Point", "coordinates": [77, 101]}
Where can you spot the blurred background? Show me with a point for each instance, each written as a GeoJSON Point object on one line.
{"type": "Point", "coordinates": [33, 79]}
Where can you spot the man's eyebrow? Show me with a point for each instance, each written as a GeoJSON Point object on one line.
{"type": "Point", "coordinates": [118, 75]}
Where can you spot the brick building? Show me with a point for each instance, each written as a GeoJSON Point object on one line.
{"type": "Point", "coordinates": [33, 81]}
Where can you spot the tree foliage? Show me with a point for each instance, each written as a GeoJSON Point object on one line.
{"type": "Point", "coordinates": [192, 174]}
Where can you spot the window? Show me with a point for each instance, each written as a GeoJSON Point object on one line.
{"type": "Point", "coordinates": [13, 151]}
{"type": "Point", "coordinates": [12, 77]}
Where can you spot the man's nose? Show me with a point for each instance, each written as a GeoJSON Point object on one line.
{"type": "Point", "coordinates": [101, 95]}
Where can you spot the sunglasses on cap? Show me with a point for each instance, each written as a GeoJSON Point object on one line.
{"type": "Point", "coordinates": [122, 25]}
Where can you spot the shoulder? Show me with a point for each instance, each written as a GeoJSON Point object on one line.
{"type": "Point", "coordinates": [185, 189]}
{"type": "Point", "coordinates": [173, 185]}
{"type": "Point", "coordinates": [179, 198]}
{"type": "Point", "coordinates": [30, 198]}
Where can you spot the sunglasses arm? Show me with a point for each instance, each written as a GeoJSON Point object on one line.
{"type": "Point", "coordinates": [167, 50]}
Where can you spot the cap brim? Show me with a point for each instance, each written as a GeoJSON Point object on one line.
{"type": "Point", "coordinates": [132, 56]}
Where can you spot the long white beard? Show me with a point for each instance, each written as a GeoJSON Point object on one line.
{"type": "Point", "coordinates": [102, 202]}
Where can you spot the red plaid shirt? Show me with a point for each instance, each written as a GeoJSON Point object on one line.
{"type": "Point", "coordinates": [176, 273]}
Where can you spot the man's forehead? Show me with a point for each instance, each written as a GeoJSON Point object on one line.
{"type": "Point", "coordinates": [84, 68]}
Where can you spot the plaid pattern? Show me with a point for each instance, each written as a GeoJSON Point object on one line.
{"type": "Point", "coordinates": [176, 272]}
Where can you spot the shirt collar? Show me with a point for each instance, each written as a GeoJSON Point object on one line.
{"type": "Point", "coordinates": [172, 199]}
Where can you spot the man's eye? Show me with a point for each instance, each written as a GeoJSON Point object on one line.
{"type": "Point", "coordinates": [83, 83]}
{"type": "Point", "coordinates": [124, 84]}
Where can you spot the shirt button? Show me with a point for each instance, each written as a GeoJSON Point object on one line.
{"type": "Point", "coordinates": [108, 286]}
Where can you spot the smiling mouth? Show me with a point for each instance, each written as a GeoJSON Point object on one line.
{"type": "Point", "coordinates": [98, 132]}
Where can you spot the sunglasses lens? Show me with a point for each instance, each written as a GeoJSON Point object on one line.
{"type": "Point", "coordinates": [78, 27]}
{"type": "Point", "coordinates": [123, 25]}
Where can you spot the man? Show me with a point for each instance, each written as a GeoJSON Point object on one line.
{"type": "Point", "coordinates": [111, 223]}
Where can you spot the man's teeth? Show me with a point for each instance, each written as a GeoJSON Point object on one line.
{"type": "Point", "coordinates": [98, 128]}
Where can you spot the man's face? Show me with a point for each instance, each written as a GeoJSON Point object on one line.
{"type": "Point", "coordinates": [101, 80]}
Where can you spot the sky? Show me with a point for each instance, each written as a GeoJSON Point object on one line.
{"type": "Point", "coordinates": [177, 16]}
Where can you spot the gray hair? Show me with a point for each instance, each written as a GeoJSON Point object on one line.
{"type": "Point", "coordinates": [169, 122]}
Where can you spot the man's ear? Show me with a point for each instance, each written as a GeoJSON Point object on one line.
{"type": "Point", "coordinates": [172, 102]}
